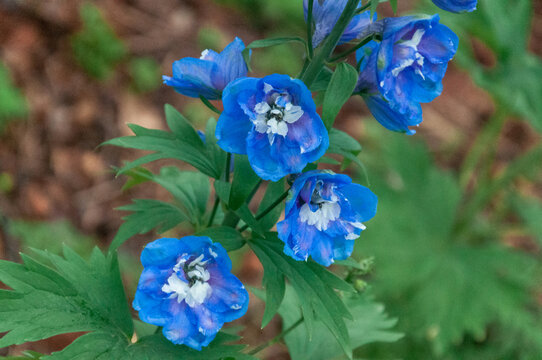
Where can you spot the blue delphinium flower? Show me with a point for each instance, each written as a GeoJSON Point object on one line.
{"type": "Point", "coordinates": [274, 121]}
{"type": "Point", "coordinates": [405, 69]}
{"type": "Point", "coordinates": [208, 75]}
{"type": "Point", "coordinates": [324, 215]}
{"type": "Point", "coordinates": [457, 6]}
{"type": "Point", "coordinates": [187, 288]}
{"type": "Point", "coordinates": [326, 13]}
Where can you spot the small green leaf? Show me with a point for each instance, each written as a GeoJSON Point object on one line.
{"type": "Point", "coordinates": [181, 127]}
{"type": "Point", "coordinates": [340, 88]}
{"type": "Point", "coordinates": [228, 237]}
{"type": "Point", "coordinates": [341, 143]}
{"type": "Point", "coordinates": [393, 4]}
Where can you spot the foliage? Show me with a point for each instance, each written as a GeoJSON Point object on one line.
{"type": "Point", "coordinates": [96, 47]}
{"type": "Point", "coordinates": [460, 286]}
{"type": "Point", "coordinates": [145, 73]}
{"type": "Point", "coordinates": [12, 102]}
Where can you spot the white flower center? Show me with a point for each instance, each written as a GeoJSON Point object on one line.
{"type": "Point", "coordinates": [418, 58]}
{"type": "Point", "coordinates": [196, 290]}
{"type": "Point", "coordinates": [326, 212]}
{"type": "Point", "coordinates": [274, 115]}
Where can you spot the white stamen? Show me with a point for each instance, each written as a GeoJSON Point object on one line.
{"type": "Point", "coordinates": [327, 212]}
{"type": "Point", "coordinates": [181, 289]}
{"type": "Point", "coordinates": [212, 253]}
{"type": "Point", "coordinates": [236, 307]}
{"type": "Point", "coordinates": [204, 54]}
{"type": "Point", "coordinates": [419, 59]}
{"type": "Point", "coordinates": [267, 88]}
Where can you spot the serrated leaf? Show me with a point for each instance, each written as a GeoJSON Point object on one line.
{"type": "Point", "coordinates": [230, 238]}
{"type": "Point", "coordinates": [460, 285]}
{"type": "Point", "coordinates": [183, 143]}
{"type": "Point", "coordinates": [370, 324]}
{"type": "Point", "coordinates": [147, 214]}
{"type": "Point", "coordinates": [340, 88]}
{"type": "Point", "coordinates": [317, 297]}
{"type": "Point", "coordinates": [72, 295]}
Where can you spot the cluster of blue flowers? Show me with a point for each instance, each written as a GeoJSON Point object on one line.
{"type": "Point", "coordinates": [187, 286]}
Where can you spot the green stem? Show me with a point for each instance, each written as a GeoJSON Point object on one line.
{"type": "Point", "coordinates": [276, 339]}
{"type": "Point", "coordinates": [351, 50]}
{"type": "Point", "coordinates": [268, 209]}
{"type": "Point", "coordinates": [227, 169]}
{"type": "Point", "coordinates": [318, 61]}
{"type": "Point", "coordinates": [309, 29]}
{"type": "Point", "coordinates": [209, 105]}
{"type": "Point", "coordinates": [363, 8]}
{"type": "Point", "coordinates": [213, 212]}
{"type": "Point", "coordinates": [254, 190]}
{"type": "Point", "coordinates": [485, 141]}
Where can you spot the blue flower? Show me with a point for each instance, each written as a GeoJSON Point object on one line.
{"type": "Point", "coordinates": [326, 13]}
{"type": "Point", "coordinates": [274, 121]}
{"type": "Point", "coordinates": [457, 6]}
{"type": "Point", "coordinates": [208, 75]}
{"type": "Point", "coordinates": [405, 69]}
{"type": "Point", "coordinates": [324, 215]}
{"type": "Point", "coordinates": [187, 288]}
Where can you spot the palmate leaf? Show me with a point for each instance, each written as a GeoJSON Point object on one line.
{"type": "Point", "coordinates": [70, 296]}
{"type": "Point", "coordinates": [146, 215]}
{"type": "Point", "coordinates": [370, 324]}
{"type": "Point", "coordinates": [442, 287]}
{"type": "Point", "coordinates": [182, 143]}
{"type": "Point", "coordinates": [73, 295]}
{"type": "Point", "coordinates": [190, 191]}
{"type": "Point", "coordinates": [313, 284]}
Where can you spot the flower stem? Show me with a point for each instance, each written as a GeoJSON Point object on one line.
{"type": "Point", "coordinates": [363, 8]}
{"type": "Point", "coordinates": [276, 339]}
{"type": "Point", "coordinates": [209, 105]}
{"type": "Point", "coordinates": [353, 49]}
{"type": "Point", "coordinates": [317, 63]}
{"type": "Point", "coordinates": [268, 209]}
{"type": "Point", "coordinates": [213, 212]}
{"type": "Point", "coordinates": [309, 29]}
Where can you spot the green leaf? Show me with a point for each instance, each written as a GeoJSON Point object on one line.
{"type": "Point", "coordinates": [274, 42]}
{"type": "Point", "coordinates": [183, 143]}
{"type": "Point", "coordinates": [316, 294]}
{"type": "Point", "coordinates": [370, 324]}
{"type": "Point", "coordinates": [393, 4]}
{"type": "Point", "coordinates": [339, 90]}
{"type": "Point", "coordinates": [273, 191]}
{"type": "Point", "coordinates": [13, 104]}
{"type": "Point", "coordinates": [246, 215]}
{"type": "Point", "coordinates": [71, 295]}
{"type": "Point", "coordinates": [322, 80]}
{"type": "Point", "coordinates": [96, 47]}
{"type": "Point", "coordinates": [230, 238]}
{"type": "Point", "coordinates": [244, 181]}
{"type": "Point", "coordinates": [530, 211]}
{"type": "Point", "coordinates": [460, 285]}
{"type": "Point", "coordinates": [341, 143]}
{"type": "Point", "coordinates": [147, 214]}
{"type": "Point", "coordinates": [104, 346]}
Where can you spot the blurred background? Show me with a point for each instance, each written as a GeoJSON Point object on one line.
{"type": "Point", "coordinates": [458, 234]}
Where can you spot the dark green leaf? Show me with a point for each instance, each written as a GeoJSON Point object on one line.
{"type": "Point", "coordinates": [147, 214]}
{"type": "Point", "coordinates": [370, 324]}
{"type": "Point", "coordinates": [316, 295]}
{"type": "Point", "coordinates": [274, 191]}
{"type": "Point", "coordinates": [339, 90]}
{"type": "Point", "coordinates": [341, 143]}
{"type": "Point", "coordinates": [183, 143]}
{"type": "Point", "coordinates": [230, 238]}
{"type": "Point", "coordinates": [244, 180]}
{"type": "Point", "coordinates": [71, 296]}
